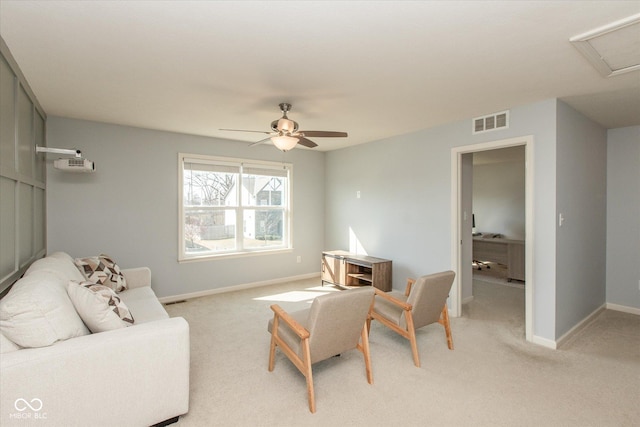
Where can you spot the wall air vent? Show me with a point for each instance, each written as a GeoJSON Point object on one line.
{"type": "Point", "coordinates": [491, 122]}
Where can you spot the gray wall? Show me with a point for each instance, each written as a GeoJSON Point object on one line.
{"type": "Point", "coordinates": [623, 217]}
{"type": "Point", "coordinates": [581, 199]}
{"type": "Point", "coordinates": [404, 212]}
{"type": "Point", "coordinates": [498, 198]}
{"type": "Point", "coordinates": [128, 208]}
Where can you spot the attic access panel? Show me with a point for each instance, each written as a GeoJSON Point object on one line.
{"type": "Point", "coordinates": [612, 49]}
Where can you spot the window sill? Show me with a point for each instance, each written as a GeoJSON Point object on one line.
{"type": "Point", "coordinates": [234, 255]}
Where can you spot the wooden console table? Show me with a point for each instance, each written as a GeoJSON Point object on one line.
{"type": "Point", "coordinates": [502, 251]}
{"type": "Point", "coordinates": [345, 269]}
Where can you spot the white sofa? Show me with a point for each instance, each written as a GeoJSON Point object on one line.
{"type": "Point", "coordinates": [134, 375]}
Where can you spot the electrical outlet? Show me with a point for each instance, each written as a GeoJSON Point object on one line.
{"type": "Point", "coordinates": [358, 194]}
{"type": "Point", "coordinates": [299, 259]}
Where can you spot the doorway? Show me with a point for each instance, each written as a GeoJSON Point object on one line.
{"type": "Point", "coordinates": [461, 240]}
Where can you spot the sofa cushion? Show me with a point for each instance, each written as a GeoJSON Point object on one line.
{"type": "Point", "coordinates": [37, 311]}
{"type": "Point", "coordinates": [99, 306]}
{"type": "Point", "coordinates": [102, 270]}
{"type": "Point", "coordinates": [144, 303]}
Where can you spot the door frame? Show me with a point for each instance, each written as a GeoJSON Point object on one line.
{"type": "Point", "coordinates": [456, 222]}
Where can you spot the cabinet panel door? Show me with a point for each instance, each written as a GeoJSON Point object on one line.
{"type": "Point", "coordinates": [332, 269]}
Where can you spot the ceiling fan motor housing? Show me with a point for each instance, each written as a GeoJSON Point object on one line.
{"type": "Point", "coordinates": [284, 125]}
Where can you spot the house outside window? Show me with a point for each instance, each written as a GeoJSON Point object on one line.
{"type": "Point", "coordinates": [232, 206]}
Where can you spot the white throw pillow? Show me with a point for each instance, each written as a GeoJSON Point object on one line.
{"type": "Point", "coordinates": [6, 345]}
{"type": "Point", "coordinates": [99, 306]}
{"type": "Point", "coordinates": [58, 263]}
{"type": "Point", "coordinates": [37, 312]}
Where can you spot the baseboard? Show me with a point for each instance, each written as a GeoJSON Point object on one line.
{"type": "Point", "coordinates": [623, 308]}
{"type": "Point", "coordinates": [174, 298]}
{"type": "Point", "coordinates": [545, 342]}
{"type": "Point", "coordinates": [467, 300]}
{"type": "Point", "coordinates": [581, 325]}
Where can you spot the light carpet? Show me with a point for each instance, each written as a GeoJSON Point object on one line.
{"type": "Point", "coordinates": [492, 378]}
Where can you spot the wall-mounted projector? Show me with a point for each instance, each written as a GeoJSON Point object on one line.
{"type": "Point", "coordinates": [74, 165]}
{"type": "Point", "coordinates": [77, 164]}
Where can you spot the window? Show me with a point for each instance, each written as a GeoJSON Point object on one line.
{"type": "Point", "coordinates": [232, 206]}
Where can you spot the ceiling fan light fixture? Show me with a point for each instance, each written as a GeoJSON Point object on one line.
{"type": "Point", "coordinates": [285, 136]}
{"type": "Point", "coordinates": [284, 142]}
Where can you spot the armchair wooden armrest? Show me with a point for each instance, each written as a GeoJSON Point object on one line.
{"type": "Point", "coordinates": [401, 304]}
{"type": "Point", "coordinates": [410, 283]}
{"type": "Point", "coordinates": [296, 327]}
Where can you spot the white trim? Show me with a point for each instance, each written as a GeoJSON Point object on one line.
{"type": "Point", "coordinates": [455, 297]}
{"type": "Point", "coordinates": [287, 245]}
{"type": "Point", "coordinates": [230, 255]}
{"type": "Point", "coordinates": [623, 308]}
{"type": "Point", "coordinates": [544, 342]}
{"type": "Point", "coordinates": [456, 223]}
{"type": "Point", "coordinates": [580, 326]}
{"type": "Point", "coordinates": [174, 298]}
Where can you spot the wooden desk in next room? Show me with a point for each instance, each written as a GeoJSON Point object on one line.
{"type": "Point", "coordinates": [502, 251]}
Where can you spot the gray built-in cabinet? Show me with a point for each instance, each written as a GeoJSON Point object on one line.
{"type": "Point", "coordinates": [22, 173]}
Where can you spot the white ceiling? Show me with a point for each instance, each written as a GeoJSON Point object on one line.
{"type": "Point", "coordinates": [372, 68]}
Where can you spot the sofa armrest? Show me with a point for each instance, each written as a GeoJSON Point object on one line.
{"type": "Point", "coordinates": [137, 277]}
{"type": "Point", "coordinates": [136, 376]}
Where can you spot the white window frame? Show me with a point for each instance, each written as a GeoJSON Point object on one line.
{"type": "Point", "coordinates": [239, 207]}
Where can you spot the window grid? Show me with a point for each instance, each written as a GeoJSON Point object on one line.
{"type": "Point", "coordinates": [232, 207]}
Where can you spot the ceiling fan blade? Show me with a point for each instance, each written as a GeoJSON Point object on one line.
{"type": "Point", "coordinates": [259, 142]}
{"type": "Point", "coordinates": [324, 133]}
{"type": "Point", "coordinates": [244, 130]}
{"type": "Point", "coordinates": [306, 142]}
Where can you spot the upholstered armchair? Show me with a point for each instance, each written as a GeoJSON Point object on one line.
{"type": "Point", "coordinates": [424, 302]}
{"type": "Point", "coordinates": [335, 323]}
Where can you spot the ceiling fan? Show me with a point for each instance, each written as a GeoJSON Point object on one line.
{"type": "Point", "coordinates": [285, 134]}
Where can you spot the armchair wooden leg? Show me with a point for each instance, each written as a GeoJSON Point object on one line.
{"type": "Point", "coordinates": [444, 321]}
{"type": "Point", "coordinates": [309, 375]}
{"type": "Point", "coordinates": [272, 348]}
{"type": "Point", "coordinates": [365, 352]}
{"type": "Point", "coordinates": [412, 338]}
